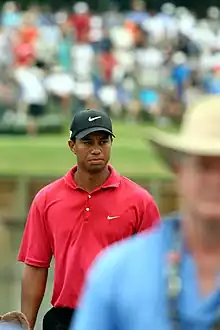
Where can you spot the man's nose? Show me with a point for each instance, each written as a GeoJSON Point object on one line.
{"type": "Point", "coordinates": [96, 150]}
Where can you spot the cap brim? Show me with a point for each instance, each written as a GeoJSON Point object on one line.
{"type": "Point", "coordinates": [184, 144]}
{"type": "Point", "coordinates": [170, 145]}
{"type": "Point", "coordinates": [90, 130]}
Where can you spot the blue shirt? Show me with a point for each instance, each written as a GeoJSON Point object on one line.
{"type": "Point", "coordinates": [212, 85]}
{"type": "Point", "coordinates": [10, 326]}
{"type": "Point", "coordinates": [137, 17]}
{"type": "Point", "coordinates": [180, 74]}
{"type": "Point", "coordinates": [127, 288]}
{"type": "Point", "coordinates": [11, 19]}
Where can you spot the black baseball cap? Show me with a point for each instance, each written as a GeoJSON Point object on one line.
{"type": "Point", "coordinates": [88, 121]}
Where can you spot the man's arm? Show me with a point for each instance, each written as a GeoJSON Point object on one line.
{"type": "Point", "coordinates": [36, 253]}
{"type": "Point", "coordinates": [33, 287]}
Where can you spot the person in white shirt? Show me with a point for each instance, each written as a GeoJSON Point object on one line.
{"type": "Point", "coordinates": [33, 96]}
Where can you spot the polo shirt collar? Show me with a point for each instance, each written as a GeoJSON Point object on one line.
{"type": "Point", "coordinates": [113, 181]}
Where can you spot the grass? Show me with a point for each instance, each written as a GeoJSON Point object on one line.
{"type": "Point", "coordinates": [49, 155]}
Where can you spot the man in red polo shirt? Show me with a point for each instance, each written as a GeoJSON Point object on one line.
{"type": "Point", "coordinates": [75, 217]}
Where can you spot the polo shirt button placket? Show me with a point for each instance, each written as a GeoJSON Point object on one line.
{"type": "Point", "coordinates": [87, 215]}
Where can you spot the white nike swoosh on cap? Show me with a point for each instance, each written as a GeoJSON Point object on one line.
{"type": "Point", "coordinates": [94, 118]}
{"type": "Point", "coordinates": [111, 218]}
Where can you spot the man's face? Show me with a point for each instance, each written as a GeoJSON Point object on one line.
{"type": "Point", "coordinates": [199, 184]}
{"type": "Point", "coordinates": [93, 151]}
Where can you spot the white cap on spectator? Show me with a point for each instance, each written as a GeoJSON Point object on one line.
{"type": "Point", "coordinates": [61, 17]}
{"type": "Point", "coordinates": [179, 58]}
{"type": "Point", "coordinates": [81, 7]}
{"type": "Point", "coordinates": [10, 6]}
{"type": "Point", "coordinates": [181, 11]}
{"type": "Point", "coordinates": [213, 12]}
{"type": "Point", "coordinates": [168, 8]}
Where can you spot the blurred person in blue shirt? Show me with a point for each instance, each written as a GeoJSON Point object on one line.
{"type": "Point", "coordinates": [10, 16]}
{"type": "Point", "coordinates": [64, 49]}
{"type": "Point", "coordinates": [211, 82]}
{"type": "Point", "coordinates": [168, 278]}
{"type": "Point", "coordinates": [149, 98]}
{"type": "Point", "coordinates": [181, 74]}
{"type": "Point", "coordinates": [138, 13]}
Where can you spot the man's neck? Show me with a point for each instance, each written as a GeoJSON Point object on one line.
{"type": "Point", "coordinates": [90, 182]}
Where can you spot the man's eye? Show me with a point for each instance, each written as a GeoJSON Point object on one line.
{"type": "Point", "coordinates": [87, 142]}
{"type": "Point", "coordinates": [104, 141]}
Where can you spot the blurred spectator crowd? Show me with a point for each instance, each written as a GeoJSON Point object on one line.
{"type": "Point", "coordinates": [136, 65]}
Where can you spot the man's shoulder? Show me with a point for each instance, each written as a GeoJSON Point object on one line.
{"type": "Point", "coordinates": [50, 190]}
{"type": "Point", "coordinates": [135, 188]}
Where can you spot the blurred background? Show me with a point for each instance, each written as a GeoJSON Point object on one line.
{"type": "Point", "coordinates": [141, 62]}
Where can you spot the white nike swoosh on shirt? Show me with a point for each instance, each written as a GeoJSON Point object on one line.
{"type": "Point", "coordinates": [111, 218]}
{"type": "Point", "coordinates": [94, 118]}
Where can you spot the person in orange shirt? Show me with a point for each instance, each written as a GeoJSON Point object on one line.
{"type": "Point", "coordinates": [24, 52]}
{"type": "Point", "coordinates": [29, 31]}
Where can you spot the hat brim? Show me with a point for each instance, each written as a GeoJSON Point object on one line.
{"type": "Point", "coordinates": [169, 145]}
{"type": "Point", "coordinates": [90, 130]}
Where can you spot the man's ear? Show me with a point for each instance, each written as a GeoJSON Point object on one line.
{"type": "Point", "coordinates": [72, 144]}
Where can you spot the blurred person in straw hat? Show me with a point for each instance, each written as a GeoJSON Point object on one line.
{"type": "Point", "coordinates": [179, 288]}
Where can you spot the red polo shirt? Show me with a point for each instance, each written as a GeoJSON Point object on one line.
{"type": "Point", "coordinates": [72, 225]}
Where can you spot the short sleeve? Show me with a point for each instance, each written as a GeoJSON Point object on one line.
{"type": "Point", "coordinates": [150, 216]}
{"type": "Point", "coordinates": [35, 249]}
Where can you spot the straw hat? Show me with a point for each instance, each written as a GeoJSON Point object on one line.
{"type": "Point", "coordinates": [199, 133]}
{"type": "Point", "coordinates": [15, 318]}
